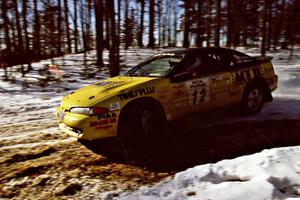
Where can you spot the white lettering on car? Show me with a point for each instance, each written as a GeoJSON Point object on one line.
{"type": "Point", "coordinates": [114, 106]}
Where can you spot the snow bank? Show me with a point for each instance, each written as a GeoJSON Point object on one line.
{"type": "Point", "coordinates": [270, 174]}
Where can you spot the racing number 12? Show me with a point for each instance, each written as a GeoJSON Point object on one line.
{"type": "Point", "coordinates": [202, 96]}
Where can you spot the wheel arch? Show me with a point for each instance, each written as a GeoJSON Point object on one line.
{"type": "Point", "coordinates": [267, 95]}
{"type": "Point", "coordinates": [148, 100]}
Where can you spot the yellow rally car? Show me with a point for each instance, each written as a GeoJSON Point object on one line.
{"type": "Point", "coordinates": [165, 87]}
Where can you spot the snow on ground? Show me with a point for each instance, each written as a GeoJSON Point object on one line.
{"type": "Point", "coordinates": [271, 174]}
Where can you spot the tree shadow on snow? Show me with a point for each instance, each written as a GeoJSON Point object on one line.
{"type": "Point", "coordinates": [179, 148]}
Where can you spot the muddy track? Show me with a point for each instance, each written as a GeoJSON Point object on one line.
{"type": "Point", "coordinates": [38, 161]}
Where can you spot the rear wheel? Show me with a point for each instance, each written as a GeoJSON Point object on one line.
{"type": "Point", "coordinates": [253, 99]}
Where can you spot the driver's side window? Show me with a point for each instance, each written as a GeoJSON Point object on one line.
{"type": "Point", "coordinates": [190, 66]}
{"type": "Point", "coordinates": [206, 64]}
{"type": "Point", "coordinates": [197, 66]}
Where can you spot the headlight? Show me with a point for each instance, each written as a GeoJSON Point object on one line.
{"type": "Point", "coordinates": [89, 111]}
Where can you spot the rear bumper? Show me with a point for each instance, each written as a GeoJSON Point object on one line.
{"type": "Point", "coordinates": [272, 82]}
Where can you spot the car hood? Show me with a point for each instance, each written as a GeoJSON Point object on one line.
{"type": "Point", "coordinates": [89, 95]}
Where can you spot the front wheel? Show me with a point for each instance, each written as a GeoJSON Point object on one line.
{"type": "Point", "coordinates": [253, 100]}
{"type": "Point", "coordinates": [141, 123]}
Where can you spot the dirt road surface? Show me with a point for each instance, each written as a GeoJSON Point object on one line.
{"type": "Point", "coordinates": [38, 161]}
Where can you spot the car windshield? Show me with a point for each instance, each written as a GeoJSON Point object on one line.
{"type": "Point", "coordinates": [157, 66]}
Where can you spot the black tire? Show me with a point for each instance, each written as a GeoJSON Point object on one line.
{"type": "Point", "coordinates": [253, 99]}
{"type": "Point", "coordinates": [140, 124]}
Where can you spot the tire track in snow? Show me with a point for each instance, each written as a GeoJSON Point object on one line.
{"type": "Point", "coordinates": [43, 143]}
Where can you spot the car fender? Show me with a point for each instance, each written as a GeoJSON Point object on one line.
{"type": "Point", "coordinates": [263, 83]}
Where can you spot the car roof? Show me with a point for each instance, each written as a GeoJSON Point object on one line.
{"type": "Point", "coordinates": [198, 50]}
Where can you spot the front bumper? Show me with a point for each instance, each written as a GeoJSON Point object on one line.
{"type": "Point", "coordinates": [70, 131]}
{"type": "Point", "coordinates": [85, 127]}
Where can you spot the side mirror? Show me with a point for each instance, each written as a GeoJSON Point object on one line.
{"type": "Point", "coordinates": [180, 77]}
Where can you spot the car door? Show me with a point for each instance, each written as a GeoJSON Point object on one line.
{"type": "Point", "coordinates": [179, 100]}
{"type": "Point", "coordinates": [189, 91]}
{"type": "Point", "coordinates": [216, 66]}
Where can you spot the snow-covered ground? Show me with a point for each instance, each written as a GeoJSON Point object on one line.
{"type": "Point", "coordinates": [27, 105]}
{"type": "Point", "coordinates": [271, 174]}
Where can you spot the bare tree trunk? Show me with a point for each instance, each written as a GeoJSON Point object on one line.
{"type": "Point", "coordinates": [76, 37]}
{"type": "Point", "coordinates": [169, 22]}
{"type": "Point", "coordinates": [175, 23]}
{"type": "Point", "coordinates": [263, 43]}
{"type": "Point", "coordinates": [36, 38]}
{"type": "Point", "coordinates": [279, 25]}
{"type": "Point", "coordinates": [186, 25]}
{"type": "Point", "coordinates": [5, 24]}
{"type": "Point", "coordinates": [164, 31]}
{"type": "Point", "coordinates": [14, 37]}
{"type": "Point", "coordinates": [114, 46]}
{"type": "Point", "coordinates": [218, 25]}
{"type": "Point", "coordinates": [66, 10]}
{"type": "Point", "coordinates": [59, 19]}
{"type": "Point", "coordinates": [107, 25]}
{"type": "Point", "coordinates": [199, 24]}
{"type": "Point", "coordinates": [165, 24]}
{"type": "Point", "coordinates": [294, 27]}
{"type": "Point", "coordinates": [119, 18]}
{"type": "Point", "coordinates": [270, 21]}
{"type": "Point", "coordinates": [283, 19]}
{"type": "Point", "coordinates": [19, 30]}
{"type": "Point", "coordinates": [245, 28]}
{"type": "Point", "coordinates": [209, 23]}
{"type": "Point", "coordinates": [25, 27]}
{"type": "Point", "coordinates": [18, 25]}
{"type": "Point", "coordinates": [151, 24]}
{"type": "Point", "coordinates": [229, 23]}
{"type": "Point", "coordinates": [141, 31]}
{"type": "Point", "coordinates": [88, 25]}
{"type": "Point", "coordinates": [83, 20]}
{"type": "Point", "coordinates": [126, 20]}
{"type": "Point", "coordinates": [159, 22]}
{"type": "Point", "coordinates": [4, 61]}
{"type": "Point", "coordinates": [99, 31]}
